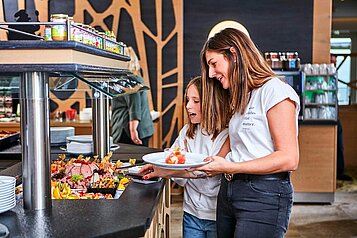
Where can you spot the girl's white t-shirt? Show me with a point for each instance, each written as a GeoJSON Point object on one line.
{"type": "Point", "coordinates": [249, 133]}
{"type": "Point", "coordinates": [200, 195]}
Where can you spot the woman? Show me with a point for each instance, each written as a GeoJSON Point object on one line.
{"type": "Point", "coordinates": [255, 197]}
{"type": "Point", "coordinates": [200, 191]}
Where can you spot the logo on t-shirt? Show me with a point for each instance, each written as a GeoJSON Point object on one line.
{"type": "Point", "coordinates": [247, 119]}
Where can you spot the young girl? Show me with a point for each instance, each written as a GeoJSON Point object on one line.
{"type": "Point", "coordinates": [200, 194]}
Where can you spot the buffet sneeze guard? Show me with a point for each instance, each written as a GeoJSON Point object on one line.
{"type": "Point", "coordinates": [35, 61]}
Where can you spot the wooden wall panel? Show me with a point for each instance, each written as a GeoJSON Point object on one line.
{"type": "Point", "coordinates": [2, 19]}
{"type": "Point", "coordinates": [317, 166]}
{"type": "Point", "coordinates": [322, 31]}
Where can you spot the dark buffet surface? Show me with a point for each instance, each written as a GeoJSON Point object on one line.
{"type": "Point", "coordinates": [128, 216]}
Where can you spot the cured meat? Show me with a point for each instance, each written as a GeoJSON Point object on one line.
{"type": "Point", "coordinates": [86, 170]}
{"type": "Point", "coordinates": [76, 170]}
{"type": "Point", "coordinates": [68, 170]}
{"type": "Point", "coordinates": [93, 167]}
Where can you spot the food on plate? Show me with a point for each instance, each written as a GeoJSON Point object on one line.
{"type": "Point", "coordinates": [176, 157]}
{"type": "Point", "coordinates": [4, 133]}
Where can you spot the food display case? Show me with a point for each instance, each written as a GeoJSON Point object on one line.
{"type": "Point", "coordinates": [33, 62]}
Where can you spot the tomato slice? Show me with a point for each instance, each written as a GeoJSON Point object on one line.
{"type": "Point", "coordinates": [181, 159]}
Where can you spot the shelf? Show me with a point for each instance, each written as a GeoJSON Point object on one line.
{"type": "Point", "coordinates": [319, 120]}
{"type": "Point", "coordinates": [320, 96]}
{"type": "Point", "coordinates": [320, 104]}
{"type": "Point", "coordinates": [320, 90]}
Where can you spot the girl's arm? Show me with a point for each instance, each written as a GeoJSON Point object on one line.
{"type": "Point", "coordinates": [149, 171]}
{"type": "Point", "coordinates": [226, 147]}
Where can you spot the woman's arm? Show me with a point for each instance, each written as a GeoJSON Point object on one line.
{"type": "Point", "coordinates": [282, 126]}
{"type": "Point", "coordinates": [149, 171]}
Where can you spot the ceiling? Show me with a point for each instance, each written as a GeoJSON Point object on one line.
{"type": "Point", "coordinates": [344, 16]}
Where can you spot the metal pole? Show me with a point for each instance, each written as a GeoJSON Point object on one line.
{"type": "Point", "coordinates": [34, 96]}
{"type": "Point", "coordinates": [101, 136]}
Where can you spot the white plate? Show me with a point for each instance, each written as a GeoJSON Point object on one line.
{"type": "Point", "coordinates": [7, 179]}
{"type": "Point", "coordinates": [83, 152]}
{"type": "Point", "coordinates": [7, 194]}
{"type": "Point", "coordinates": [85, 139]}
{"type": "Point", "coordinates": [7, 208]}
{"type": "Point", "coordinates": [192, 160]}
{"type": "Point", "coordinates": [81, 138]}
{"type": "Point", "coordinates": [7, 189]}
{"type": "Point", "coordinates": [9, 204]}
{"type": "Point", "coordinates": [6, 204]}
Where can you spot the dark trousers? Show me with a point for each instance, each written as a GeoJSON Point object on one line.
{"type": "Point", "coordinates": [254, 208]}
{"type": "Point", "coordinates": [340, 150]}
{"type": "Point", "coordinates": [124, 138]}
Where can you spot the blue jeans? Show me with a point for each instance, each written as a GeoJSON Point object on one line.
{"type": "Point", "coordinates": [194, 227]}
{"type": "Point", "coordinates": [254, 208]}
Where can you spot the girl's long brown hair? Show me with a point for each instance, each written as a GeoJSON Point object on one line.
{"type": "Point", "coordinates": [247, 70]}
{"type": "Point", "coordinates": [219, 117]}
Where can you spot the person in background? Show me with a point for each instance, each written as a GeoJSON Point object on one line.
{"type": "Point", "coordinates": [340, 155]}
{"type": "Point", "coordinates": [200, 191]}
{"type": "Point", "coordinates": [256, 195]}
{"type": "Point", "coordinates": [131, 118]}
{"type": "Point", "coordinates": [340, 165]}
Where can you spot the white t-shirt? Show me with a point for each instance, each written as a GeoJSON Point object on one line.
{"type": "Point", "coordinates": [200, 195]}
{"type": "Point", "coordinates": [249, 133]}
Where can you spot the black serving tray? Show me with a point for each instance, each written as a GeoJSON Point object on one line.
{"type": "Point", "coordinates": [7, 141]}
{"type": "Point", "coordinates": [111, 191]}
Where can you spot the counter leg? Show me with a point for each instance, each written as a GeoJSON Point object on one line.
{"type": "Point", "coordinates": [35, 141]}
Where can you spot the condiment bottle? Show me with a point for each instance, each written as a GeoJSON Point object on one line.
{"type": "Point", "coordinates": [48, 32]}
{"type": "Point", "coordinates": [59, 32]}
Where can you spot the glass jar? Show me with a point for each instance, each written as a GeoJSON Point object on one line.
{"type": "Point", "coordinates": [59, 32]}
{"type": "Point", "coordinates": [48, 32]}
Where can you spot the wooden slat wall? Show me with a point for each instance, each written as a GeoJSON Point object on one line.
{"type": "Point", "coordinates": [2, 19]}
{"type": "Point", "coordinates": [322, 31]}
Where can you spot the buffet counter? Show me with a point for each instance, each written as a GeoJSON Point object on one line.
{"type": "Point", "coordinates": [81, 127]}
{"type": "Point", "coordinates": [141, 211]}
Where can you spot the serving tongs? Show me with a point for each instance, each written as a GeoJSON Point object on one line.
{"type": "Point", "coordinates": [132, 165]}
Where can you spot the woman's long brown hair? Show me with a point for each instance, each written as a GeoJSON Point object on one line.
{"type": "Point", "coordinates": [247, 70]}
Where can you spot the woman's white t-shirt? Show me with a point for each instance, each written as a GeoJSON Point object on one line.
{"type": "Point", "coordinates": [200, 195]}
{"type": "Point", "coordinates": [249, 133]}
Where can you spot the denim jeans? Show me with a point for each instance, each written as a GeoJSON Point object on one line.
{"type": "Point", "coordinates": [254, 208]}
{"type": "Point", "coordinates": [194, 227]}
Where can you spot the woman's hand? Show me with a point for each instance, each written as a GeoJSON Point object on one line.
{"type": "Point", "coordinates": [216, 165]}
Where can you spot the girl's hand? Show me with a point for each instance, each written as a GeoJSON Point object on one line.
{"type": "Point", "coordinates": [151, 171]}
{"type": "Point", "coordinates": [216, 165]}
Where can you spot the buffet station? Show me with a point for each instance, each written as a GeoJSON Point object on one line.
{"type": "Point", "coordinates": [66, 194]}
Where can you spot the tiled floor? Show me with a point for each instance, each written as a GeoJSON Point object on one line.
{"type": "Point", "coordinates": [336, 220]}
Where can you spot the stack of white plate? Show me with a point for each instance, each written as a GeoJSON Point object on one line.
{"type": "Point", "coordinates": [59, 135]}
{"type": "Point", "coordinates": [83, 144]}
{"type": "Point", "coordinates": [80, 144]}
{"type": "Point", "coordinates": [7, 193]}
